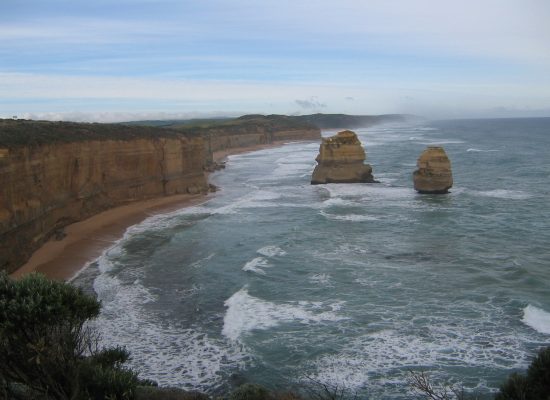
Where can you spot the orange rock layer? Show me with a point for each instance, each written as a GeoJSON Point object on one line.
{"type": "Point", "coordinates": [434, 175]}
{"type": "Point", "coordinates": [45, 187]}
{"type": "Point", "coordinates": [341, 160]}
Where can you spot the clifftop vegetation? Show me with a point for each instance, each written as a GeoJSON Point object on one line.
{"type": "Point", "coordinates": [246, 123]}
{"type": "Point", "coordinates": [16, 133]}
{"type": "Point", "coordinates": [322, 121]}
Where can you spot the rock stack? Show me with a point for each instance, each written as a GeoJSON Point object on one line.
{"type": "Point", "coordinates": [341, 160]}
{"type": "Point", "coordinates": [433, 175]}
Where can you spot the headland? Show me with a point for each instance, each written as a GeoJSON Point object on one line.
{"type": "Point", "coordinates": [69, 190]}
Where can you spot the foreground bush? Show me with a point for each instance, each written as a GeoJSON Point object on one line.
{"type": "Point", "coordinates": [158, 393]}
{"type": "Point", "coordinates": [249, 391]}
{"type": "Point", "coordinates": [47, 350]}
{"type": "Point", "coordinates": [533, 386]}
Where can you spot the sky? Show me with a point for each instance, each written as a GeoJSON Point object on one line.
{"type": "Point", "coordinates": [109, 61]}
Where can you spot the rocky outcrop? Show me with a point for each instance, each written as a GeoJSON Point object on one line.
{"type": "Point", "coordinates": [434, 175]}
{"type": "Point", "coordinates": [341, 160]}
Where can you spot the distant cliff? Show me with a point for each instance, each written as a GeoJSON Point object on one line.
{"type": "Point", "coordinates": [56, 173]}
{"type": "Point", "coordinates": [345, 121]}
{"type": "Point", "coordinates": [249, 130]}
{"type": "Point", "coordinates": [322, 121]}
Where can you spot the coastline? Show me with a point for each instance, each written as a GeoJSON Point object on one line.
{"type": "Point", "coordinates": [86, 240]}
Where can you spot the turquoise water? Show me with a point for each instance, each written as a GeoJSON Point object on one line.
{"type": "Point", "coordinates": [275, 281]}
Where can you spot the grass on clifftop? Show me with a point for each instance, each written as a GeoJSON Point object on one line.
{"type": "Point", "coordinates": [17, 133]}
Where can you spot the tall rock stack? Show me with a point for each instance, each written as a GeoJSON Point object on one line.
{"type": "Point", "coordinates": [434, 175]}
{"type": "Point", "coordinates": [341, 160]}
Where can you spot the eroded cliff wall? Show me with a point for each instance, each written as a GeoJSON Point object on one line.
{"type": "Point", "coordinates": [44, 188]}
{"type": "Point", "coordinates": [54, 174]}
{"type": "Point", "coordinates": [222, 139]}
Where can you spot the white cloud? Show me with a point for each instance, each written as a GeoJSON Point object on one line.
{"type": "Point", "coordinates": [311, 103]}
{"type": "Point", "coordinates": [421, 56]}
{"type": "Point", "coordinates": [516, 30]}
{"type": "Point", "coordinates": [112, 117]}
{"type": "Point", "coordinates": [139, 96]}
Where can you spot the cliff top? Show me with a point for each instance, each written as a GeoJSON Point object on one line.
{"type": "Point", "coordinates": [323, 121]}
{"type": "Point", "coordinates": [15, 133]}
{"type": "Point", "coordinates": [246, 123]}
{"type": "Point", "coordinates": [343, 137]}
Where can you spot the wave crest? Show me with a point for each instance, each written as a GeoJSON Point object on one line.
{"type": "Point", "coordinates": [536, 318]}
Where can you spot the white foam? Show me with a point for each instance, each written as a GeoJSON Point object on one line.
{"type": "Point", "coordinates": [338, 201]}
{"type": "Point", "coordinates": [505, 194]}
{"type": "Point", "coordinates": [536, 318]}
{"type": "Point", "coordinates": [271, 251]}
{"type": "Point", "coordinates": [323, 279]}
{"type": "Point", "coordinates": [283, 170]}
{"type": "Point", "coordinates": [170, 355]}
{"type": "Point", "coordinates": [202, 261]}
{"type": "Point", "coordinates": [369, 191]}
{"type": "Point", "coordinates": [386, 352]}
{"type": "Point", "coordinates": [440, 142]}
{"type": "Point", "coordinates": [255, 265]}
{"type": "Point", "coordinates": [256, 199]}
{"type": "Point", "coordinates": [246, 313]}
{"type": "Point", "coordinates": [480, 150]}
{"type": "Point", "coordinates": [349, 217]}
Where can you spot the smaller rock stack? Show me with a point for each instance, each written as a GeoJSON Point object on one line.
{"type": "Point", "coordinates": [433, 175]}
{"type": "Point", "coordinates": [340, 160]}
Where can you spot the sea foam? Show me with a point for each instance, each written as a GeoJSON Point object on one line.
{"type": "Point", "coordinates": [255, 265]}
{"type": "Point", "coordinates": [271, 251]}
{"type": "Point", "coordinates": [505, 194]}
{"type": "Point", "coordinates": [246, 313]}
{"type": "Point", "coordinates": [536, 318]}
{"type": "Point", "coordinates": [480, 151]}
{"type": "Point", "coordinates": [349, 217]}
{"type": "Point", "coordinates": [199, 359]}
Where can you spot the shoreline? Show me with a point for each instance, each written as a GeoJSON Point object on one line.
{"type": "Point", "coordinates": [86, 240]}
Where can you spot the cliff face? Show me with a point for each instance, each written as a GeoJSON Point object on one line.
{"type": "Point", "coordinates": [340, 160]}
{"type": "Point", "coordinates": [434, 175]}
{"type": "Point", "coordinates": [54, 174]}
{"type": "Point", "coordinates": [47, 187]}
{"type": "Point", "coordinates": [218, 139]}
{"type": "Point", "coordinates": [251, 130]}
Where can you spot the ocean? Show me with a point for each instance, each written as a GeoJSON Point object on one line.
{"type": "Point", "coordinates": [281, 283]}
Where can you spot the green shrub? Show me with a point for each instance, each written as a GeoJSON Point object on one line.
{"type": "Point", "coordinates": [250, 391]}
{"type": "Point", "coordinates": [47, 349]}
{"type": "Point", "coordinates": [154, 393]}
{"type": "Point", "coordinates": [515, 388]}
{"type": "Point", "coordinates": [538, 376]}
{"type": "Point", "coordinates": [534, 386]}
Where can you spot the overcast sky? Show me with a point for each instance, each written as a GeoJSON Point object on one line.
{"type": "Point", "coordinates": [106, 60]}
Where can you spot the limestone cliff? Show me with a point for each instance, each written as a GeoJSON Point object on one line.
{"type": "Point", "coordinates": [54, 174]}
{"type": "Point", "coordinates": [434, 175]}
{"type": "Point", "coordinates": [250, 130]}
{"type": "Point", "coordinates": [46, 188]}
{"type": "Point", "coordinates": [341, 160]}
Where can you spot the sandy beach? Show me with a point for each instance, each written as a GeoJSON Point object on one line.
{"type": "Point", "coordinates": [86, 240]}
